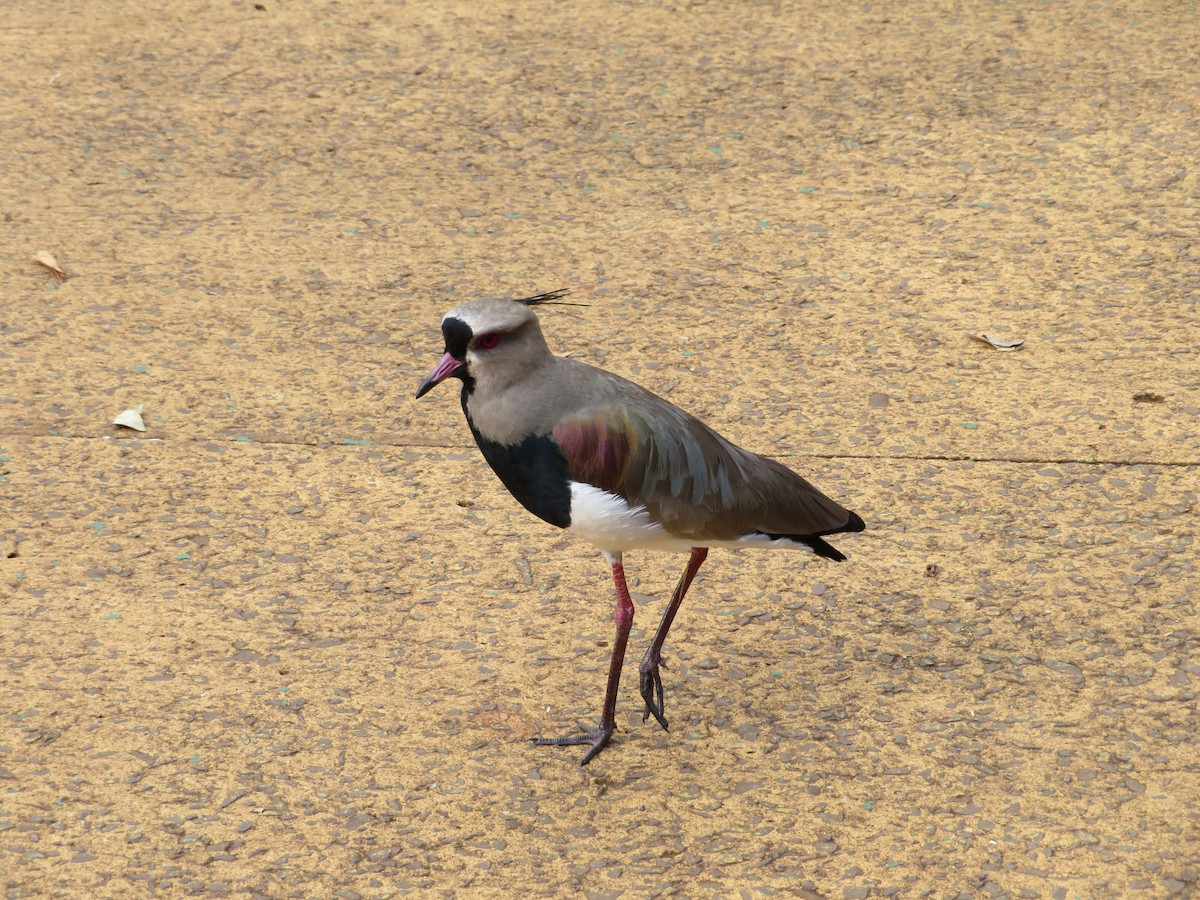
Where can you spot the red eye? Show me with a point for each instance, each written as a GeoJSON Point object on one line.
{"type": "Point", "coordinates": [487, 341]}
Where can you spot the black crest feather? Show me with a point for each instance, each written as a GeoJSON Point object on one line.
{"type": "Point", "coordinates": [549, 297]}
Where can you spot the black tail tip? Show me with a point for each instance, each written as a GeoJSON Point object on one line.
{"type": "Point", "coordinates": [824, 548]}
{"type": "Point", "coordinates": [827, 550]}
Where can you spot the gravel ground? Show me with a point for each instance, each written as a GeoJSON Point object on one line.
{"type": "Point", "coordinates": [292, 639]}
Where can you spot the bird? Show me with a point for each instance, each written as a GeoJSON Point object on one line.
{"type": "Point", "coordinates": [607, 460]}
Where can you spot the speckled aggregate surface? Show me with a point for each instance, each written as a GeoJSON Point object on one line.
{"type": "Point", "coordinates": [292, 640]}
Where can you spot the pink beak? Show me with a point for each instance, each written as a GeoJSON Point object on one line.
{"type": "Point", "coordinates": [443, 370]}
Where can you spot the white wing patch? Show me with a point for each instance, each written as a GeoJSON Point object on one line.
{"type": "Point", "coordinates": [614, 526]}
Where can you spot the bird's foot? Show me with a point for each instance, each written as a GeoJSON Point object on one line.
{"type": "Point", "coordinates": [596, 738]}
{"type": "Point", "coordinates": [650, 683]}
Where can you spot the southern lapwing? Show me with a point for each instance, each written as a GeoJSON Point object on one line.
{"type": "Point", "coordinates": [590, 452]}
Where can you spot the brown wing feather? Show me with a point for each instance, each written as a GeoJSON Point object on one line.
{"type": "Point", "coordinates": [692, 480]}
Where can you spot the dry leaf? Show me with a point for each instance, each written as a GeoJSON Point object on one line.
{"type": "Point", "coordinates": [131, 418]}
{"type": "Point", "coordinates": [47, 261]}
{"type": "Point", "coordinates": [1006, 344]}
{"type": "Point", "coordinates": [1148, 397]}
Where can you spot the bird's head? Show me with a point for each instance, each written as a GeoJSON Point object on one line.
{"type": "Point", "coordinates": [490, 344]}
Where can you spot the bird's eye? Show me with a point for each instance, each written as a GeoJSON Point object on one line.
{"type": "Point", "coordinates": [487, 341]}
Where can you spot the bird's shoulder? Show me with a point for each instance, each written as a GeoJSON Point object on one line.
{"type": "Point", "coordinates": [631, 442]}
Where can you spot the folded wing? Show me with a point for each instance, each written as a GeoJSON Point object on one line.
{"type": "Point", "coordinates": [691, 480]}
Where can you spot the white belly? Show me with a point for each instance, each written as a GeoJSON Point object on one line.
{"type": "Point", "coordinates": [611, 524]}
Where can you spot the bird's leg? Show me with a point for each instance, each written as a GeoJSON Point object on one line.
{"type": "Point", "coordinates": [598, 738]}
{"type": "Point", "coordinates": [650, 681]}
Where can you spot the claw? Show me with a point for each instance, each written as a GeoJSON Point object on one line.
{"type": "Point", "coordinates": [597, 738]}
{"type": "Point", "coordinates": [650, 683]}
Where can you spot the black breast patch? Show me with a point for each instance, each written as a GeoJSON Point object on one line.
{"type": "Point", "coordinates": [534, 471]}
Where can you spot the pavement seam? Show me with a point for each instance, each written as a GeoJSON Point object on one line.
{"type": "Point", "coordinates": [432, 445]}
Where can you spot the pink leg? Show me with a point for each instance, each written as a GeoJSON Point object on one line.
{"type": "Point", "coordinates": [650, 681]}
{"type": "Point", "coordinates": [598, 738]}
